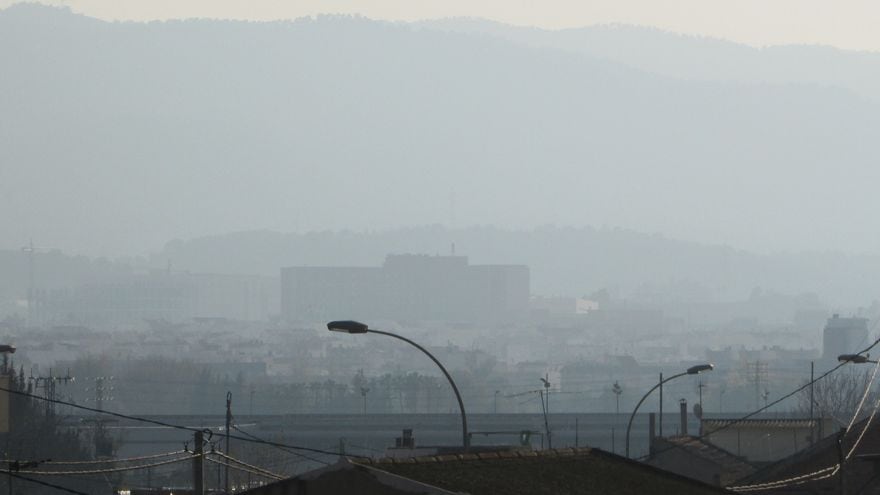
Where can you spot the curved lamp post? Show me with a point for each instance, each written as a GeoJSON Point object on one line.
{"type": "Point", "coordinates": [349, 326]}
{"type": "Point", "coordinates": [693, 370]}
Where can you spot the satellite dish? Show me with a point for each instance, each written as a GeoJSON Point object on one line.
{"type": "Point", "coordinates": [698, 410]}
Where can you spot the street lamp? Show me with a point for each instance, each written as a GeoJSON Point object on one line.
{"type": "Point", "coordinates": [693, 370]}
{"type": "Point", "coordinates": [855, 358]}
{"type": "Point", "coordinates": [354, 327]}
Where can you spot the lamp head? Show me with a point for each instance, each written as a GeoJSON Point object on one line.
{"type": "Point", "coordinates": [855, 358]}
{"type": "Point", "coordinates": [4, 348]}
{"type": "Point", "coordinates": [347, 326]}
{"type": "Point", "coordinates": [696, 370]}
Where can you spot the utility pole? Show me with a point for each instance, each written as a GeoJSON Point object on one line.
{"type": "Point", "coordinates": [758, 378]}
{"type": "Point", "coordinates": [495, 409]}
{"type": "Point", "coordinates": [48, 383]}
{"type": "Point", "coordinates": [199, 464]}
{"type": "Point", "coordinates": [546, 408]}
{"type": "Point", "coordinates": [546, 424]}
{"type": "Point", "coordinates": [364, 391]}
{"type": "Point", "coordinates": [228, 425]}
{"type": "Point", "coordinates": [546, 381]}
{"type": "Point", "coordinates": [617, 389]}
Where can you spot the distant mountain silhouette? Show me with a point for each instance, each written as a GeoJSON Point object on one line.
{"type": "Point", "coordinates": [115, 137]}
{"type": "Point", "coordinates": [693, 57]}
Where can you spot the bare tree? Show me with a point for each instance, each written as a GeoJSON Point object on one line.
{"type": "Point", "coordinates": [838, 395]}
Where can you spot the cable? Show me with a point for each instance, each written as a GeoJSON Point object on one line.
{"type": "Point", "coordinates": [167, 425]}
{"type": "Point", "coordinates": [104, 461]}
{"type": "Point", "coordinates": [797, 480]}
{"type": "Point", "coordinates": [284, 449]}
{"type": "Point", "coordinates": [45, 483]}
{"type": "Point", "coordinates": [107, 470]}
{"type": "Point", "coordinates": [864, 396]}
{"type": "Point", "coordinates": [250, 466]}
{"type": "Point", "coordinates": [779, 483]}
{"type": "Point", "coordinates": [870, 418]}
{"type": "Point", "coordinates": [239, 468]}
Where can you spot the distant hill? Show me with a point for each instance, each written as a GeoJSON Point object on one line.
{"type": "Point", "coordinates": [693, 57]}
{"type": "Point", "coordinates": [115, 137]}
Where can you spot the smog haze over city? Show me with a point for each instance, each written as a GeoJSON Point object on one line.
{"type": "Point", "coordinates": [520, 220]}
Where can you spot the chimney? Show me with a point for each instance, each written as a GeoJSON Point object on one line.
{"type": "Point", "coordinates": [406, 441]}
{"type": "Point", "coordinates": [683, 407]}
{"type": "Point", "coordinates": [652, 432]}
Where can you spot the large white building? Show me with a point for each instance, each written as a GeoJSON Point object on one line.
{"type": "Point", "coordinates": [407, 287]}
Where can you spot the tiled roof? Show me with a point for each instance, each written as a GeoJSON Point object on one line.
{"type": "Point", "coordinates": [732, 466]}
{"type": "Point", "coordinates": [550, 472]}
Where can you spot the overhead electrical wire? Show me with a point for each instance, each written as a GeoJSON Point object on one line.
{"type": "Point", "coordinates": [106, 470]}
{"type": "Point", "coordinates": [285, 449]}
{"type": "Point", "coordinates": [246, 470]}
{"type": "Point", "coordinates": [246, 465]}
{"type": "Point", "coordinates": [44, 483]}
{"type": "Point", "coordinates": [103, 461]}
{"type": "Point", "coordinates": [165, 424]}
{"type": "Point", "coordinates": [832, 470]}
{"type": "Point", "coordinates": [784, 397]}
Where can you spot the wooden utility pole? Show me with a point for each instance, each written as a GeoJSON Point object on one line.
{"type": "Point", "coordinates": [228, 425]}
{"type": "Point", "coordinates": [199, 464]}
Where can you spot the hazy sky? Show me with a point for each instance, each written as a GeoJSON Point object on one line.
{"type": "Point", "coordinates": [843, 23]}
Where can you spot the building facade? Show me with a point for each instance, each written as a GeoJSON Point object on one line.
{"type": "Point", "coordinates": [407, 288]}
{"type": "Point", "coordinates": [843, 336]}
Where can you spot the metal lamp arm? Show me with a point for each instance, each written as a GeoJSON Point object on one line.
{"type": "Point", "coordinates": [633, 415]}
{"type": "Point", "coordinates": [465, 437]}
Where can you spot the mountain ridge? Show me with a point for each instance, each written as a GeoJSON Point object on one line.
{"type": "Point", "coordinates": [118, 136]}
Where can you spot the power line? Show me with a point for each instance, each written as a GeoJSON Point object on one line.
{"type": "Point", "coordinates": [44, 483]}
{"type": "Point", "coordinates": [103, 461]}
{"type": "Point", "coordinates": [246, 470]}
{"type": "Point", "coordinates": [107, 470]}
{"type": "Point", "coordinates": [250, 466]}
{"type": "Point", "coordinates": [771, 404]}
{"type": "Point", "coordinates": [168, 425]}
{"type": "Point", "coordinates": [283, 449]}
{"type": "Point", "coordinates": [834, 469]}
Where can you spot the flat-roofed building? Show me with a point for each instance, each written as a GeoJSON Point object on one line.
{"type": "Point", "coordinates": [407, 287]}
